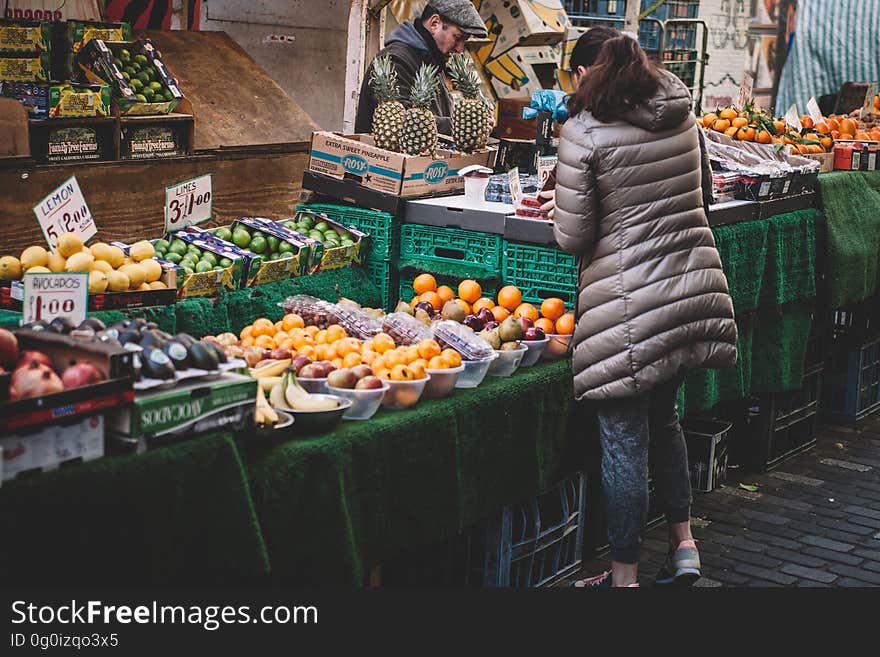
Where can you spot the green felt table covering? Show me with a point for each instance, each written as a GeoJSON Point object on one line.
{"type": "Point", "coordinates": [851, 201]}
{"type": "Point", "coordinates": [181, 515]}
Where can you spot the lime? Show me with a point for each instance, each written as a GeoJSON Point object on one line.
{"type": "Point", "coordinates": [168, 95]}
{"type": "Point", "coordinates": [321, 226]}
{"type": "Point", "coordinates": [140, 59]}
{"type": "Point", "coordinates": [124, 55]}
{"type": "Point", "coordinates": [177, 245]}
{"type": "Point", "coordinates": [173, 257]}
{"type": "Point", "coordinates": [241, 238]}
{"type": "Point", "coordinates": [188, 262]}
{"type": "Point", "coordinates": [225, 262]}
{"type": "Point", "coordinates": [203, 266]}
{"type": "Point", "coordinates": [307, 222]}
{"type": "Point", "coordinates": [161, 245]}
{"type": "Point", "coordinates": [189, 271]}
{"type": "Point", "coordinates": [154, 75]}
{"type": "Point", "coordinates": [140, 98]}
{"type": "Point", "coordinates": [291, 224]}
{"type": "Point", "coordinates": [155, 86]}
{"type": "Point", "coordinates": [285, 247]}
{"type": "Point", "coordinates": [135, 84]}
{"type": "Point", "coordinates": [315, 235]}
{"type": "Point", "coordinates": [126, 76]}
{"type": "Point", "coordinates": [223, 234]}
{"type": "Point", "coordinates": [273, 243]}
{"type": "Point", "coordinates": [148, 93]}
{"type": "Point", "coordinates": [258, 244]}
{"type": "Point", "coordinates": [210, 257]}
{"type": "Point", "coordinates": [143, 76]}
{"type": "Point", "coordinates": [118, 63]}
{"type": "Point", "coordinates": [130, 70]}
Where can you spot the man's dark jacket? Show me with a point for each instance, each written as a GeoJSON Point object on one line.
{"type": "Point", "coordinates": [409, 46]}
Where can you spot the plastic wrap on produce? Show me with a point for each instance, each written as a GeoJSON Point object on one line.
{"type": "Point", "coordinates": [406, 329]}
{"type": "Point", "coordinates": [459, 337]}
{"type": "Point", "coordinates": [354, 320]}
{"type": "Point", "coordinates": [754, 159]}
{"type": "Point", "coordinates": [314, 311]}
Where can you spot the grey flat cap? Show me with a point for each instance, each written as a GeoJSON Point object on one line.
{"type": "Point", "coordinates": [462, 13]}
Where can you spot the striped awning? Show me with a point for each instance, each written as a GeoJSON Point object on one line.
{"type": "Point", "coordinates": [835, 41]}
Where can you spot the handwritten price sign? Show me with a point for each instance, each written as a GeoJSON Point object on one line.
{"type": "Point", "coordinates": [47, 296]}
{"type": "Point", "coordinates": [188, 203]}
{"type": "Point", "coordinates": [65, 211]}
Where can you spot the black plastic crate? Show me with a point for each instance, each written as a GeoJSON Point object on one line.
{"type": "Point", "coordinates": [707, 446]}
{"type": "Point", "coordinates": [852, 386]}
{"type": "Point", "coordinates": [857, 323]}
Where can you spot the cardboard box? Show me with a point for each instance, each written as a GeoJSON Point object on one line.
{"type": "Point", "coordinates": [517, 73]}
{"type": "Point", "coordinates": [19, 35]}
{"type": "Point", "coordinates": [25, 67]}
{"type": "Point", "coordinates": [160, 417]}
{"type": "Point", "coordinates": [51, 101]}
{"type": "Point", "coordinates": [825, 160]}
{"type": "Point", "coordinates": [332, 257]}
{"type": "Point", "coordinates": [51, 446]}
{"type": "Point", "coordinates": [211, 283]}
{"type": "Point", "coordinates": [525, 22]}
{"type": "Point", "coordinates": [78, 33]}
{"type": "Point", "coordinates": [707, 445]}
{"type": "Point", "coordinates": [152, 137]}
{"type": "Point", "coordinates": [355, 157]}
{"type": "Point", "coordinates": [303, 260]}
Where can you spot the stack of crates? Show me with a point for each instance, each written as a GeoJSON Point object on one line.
{"type": "Point", "coordinates": [377, 259]}
{"type": "Point", "coordinates": [540, 272]}
{"type": "Point", "coordinates": [679, 35]}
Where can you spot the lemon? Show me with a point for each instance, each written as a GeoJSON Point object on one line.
{"type": "Point", "coordinates": [102, 251]}
{"type": "Point", "coordinates": [141, 251]}
{"type": "Point", "coordinates": [79, 262]}
{"type": "Point", "coordinates": [57, 262]}
{"type": "Point", "coordinates": [152, 269]}
{"type": "Point", "coordinates": [38, 270]}
{"type": "Point", "coordinates": [10, 268]}
{"type": "Point", "coordinates": [102, 265]}
{"type": "Point", "coordinates": [158, 285]}
{"type": "Point", "coordinates": [112, 254]}
{"type": "Point", "coordinates": [34, 256]}
{"type": "Point", "coordinates": [68, 244]}
{"type": "Point", "coordinates": [98, 282]}
{"type": "Point", "coordinates": [136, 275]}
{"type": "Point", "coordinates": [145, 287]}
{"type": "Point", "coordinates": [117, 281]}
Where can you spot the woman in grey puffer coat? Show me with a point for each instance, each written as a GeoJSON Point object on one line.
{"type": "Point", "coordinates": [652, 300]}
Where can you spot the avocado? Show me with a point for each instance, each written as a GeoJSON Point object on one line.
{"type": "Point", "coordinates": [178, 354]}
{"type": "Point", "coordinates": [91, 323]}
{"type": "Point", "coordinates": [218, 351]}
{"type": "Point", "coordinates": [202, 358]}
{"type": "Point", "coordinates": [185, 339]}
{"type": "Point", "coordinates": [129, 335]}
{"type": "Point", "coordinates": [61, 325]}
{"type": "Point", "coordinates": [157, 365]}
{"type": "Point", "coordinates": [153, 339]}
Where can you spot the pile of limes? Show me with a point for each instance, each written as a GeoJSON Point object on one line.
{"type": "Point", "coordinates": [256, 241]}
{"type": "Point", "coordinates": [190, 257]}
{"type": "Point", "coordinates": [321, 231]}
{"type": "Point", "coordinates": [142, 77]}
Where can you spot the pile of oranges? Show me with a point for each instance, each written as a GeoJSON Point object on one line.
{"type": "Point", "coordinates": [551, 317]}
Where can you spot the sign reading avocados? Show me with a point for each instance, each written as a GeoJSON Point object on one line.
{"type": "Point", "coordinates": [188, 203]}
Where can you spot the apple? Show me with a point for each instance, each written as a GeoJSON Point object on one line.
{"type": "Point", "coordinates": [474, 323]}
{"type": "Point", "coordinates": [533, 333]}
{"type": "Point", "coordinates": [254, 355]}
{"type": "Point", "coordinates": [342, 378]}
{"type": "Point", "coordinates": [525, 323]}
{"type": "Point", "coordinates": [311, 371]}
{"type": "Point", "coordinates": [361, 371]}
{"type": "Point", "coordinates": [298, 362]}
{"type": "Point", "coordinates": [280, 353]}
{"type": "Point", "coordinates": [326, 367]}
{"type": "Point", "coordinates": [369, 383]}
{"type": "Point", "coordinates": [485, 315]}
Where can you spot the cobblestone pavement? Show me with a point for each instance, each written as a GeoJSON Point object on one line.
{"type": "Point", "coordinates": [813, 521]}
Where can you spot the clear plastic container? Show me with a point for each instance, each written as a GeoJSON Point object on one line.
{"type": "Point", "coordinates": [459, 337]}
{"type": "Point", "coordinates": [365, 403]}
{"type": "Point", "coordinates": [315, 312]}
{"type": "Point", "coordinates": [406, 329]}
{"type": "Point", "coordinates": [442, 382]}
{"type": "Point", "coordinates": [404, 394]}
{"type": "Point", "coordinates": [474, 372]}
{"type": "Point", "coordinates": [355, 322]}
{"type": "Point", "coordinates": [557, 347]}
{"type": "Point", "coordinates": [508, 361]}
{"type": "Point", "coordinates": [316, 386]}
{"type": "Point", "coordinates": [535, 349]}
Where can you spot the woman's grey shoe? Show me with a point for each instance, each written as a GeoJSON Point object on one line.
{"type": "Point", "coordinates": [682, 568]}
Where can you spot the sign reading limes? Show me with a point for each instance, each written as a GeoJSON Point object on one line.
{"type": "Point", "coordinates": [64, 210]}
{"type": "Point", "coordinates": [47, 296]}
{"type": "Point", "coordinates": [188, 203]}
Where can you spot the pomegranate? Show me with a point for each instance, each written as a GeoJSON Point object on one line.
{"type": "Point", "coordinates": [34, 380]}
{"type": "Point", "coordinates": [8, 349]}
{"type": "Point", "coordinates": [81, 374]}
{"type": "Point", "coordinates": [30, 356]}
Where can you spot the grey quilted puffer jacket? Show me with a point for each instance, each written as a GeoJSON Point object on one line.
{"type": "Point", "coordinates": [652, 298]}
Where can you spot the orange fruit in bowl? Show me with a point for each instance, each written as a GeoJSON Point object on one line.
{"type": "Point", "coordinates": [351, 359]}
{"type": "Point", "coordinates": [446, 293]}
{"type": "Point", "coordinates": [279, 326]}
{"type": "Point", "coordinates": [394, 357]}
{"type": "Point", "coordinates": [321, 337]}
{"type": "Point", "coordinates": [427, 349]}
{"type": "Point", "coordinates": [418, 368]}
{"type": "Point", "coordinates": [378, 364]}
{"type": "Point", "coordinates": [433, 298]}
{"type": "Point", "coordinates": [410, 353]}
{"type": "Point", "coordinates": [545, 324]}
{"type": "Point", "coordinates": [346, 346]}
{"type": "Point", "coordinates": [500, 313]}
{"type": "Point", "coordinates": [330, 351]}
{"type": "Point", "coordinates": [368, 356]}
{"type": "Point", "coordinates": [509, 297]}
{"type": "Point", "coordinates": [263, 326]}
{"type": "Point", "coordinates": [281, 336]}
{"type": "Point", "coordinates": [526, 310]}
{"type": "Point", "coordinates": [553, 308]}
{"type": "Point", "coordinates": [382, 342]}
{"type": "Point", "coordinates": [424, 283]}
{"type": "Point", "coordinates": [464, 304]}
{"type": "Point", "coordinates": [383, 373]}
{"type": "Point", "coordinates": [469, 290]}
{"type": "Point", "coordinates": [481, 303]}
{"type": "Point", "coordinates": [438, 363]}
{"type": "Point", "coordinates": [402, 373]}
{"type": "Point", "coordinates": [311, 331]}
{"type": "Point", "coordinates": [286, 344]}
{"type": "Point", "coordinates": [452, 357]}
{"type": "Point", "coordinates": [265, 341]}
{"type": "Point", "coordinates": [307, 350]}
{"type": "Point", "coordinates": [367, 345]}
{"type": "Point", "coordinates": [565, 324]}
{"type": "Point", "coordinates": [292, 321]}
{"type": "Point", "coordinates": [247, 342]}
{"type": "Point", "coordinates": [336, 332]}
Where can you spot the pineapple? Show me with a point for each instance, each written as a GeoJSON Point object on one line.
{"type": "Point", "coordinates": [388, 115]}
{"type": "Point", "coordinates": [419, 136]}
{"type": "Point", "coordinates": [470, 116]}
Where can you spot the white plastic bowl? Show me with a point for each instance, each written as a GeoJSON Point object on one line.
{"type": "Point", "coordinates": [557, 347]}
{"type": "Point", "coordinates": [474, 372]}
{"type": "Point", "coordinates": [508, 361]}
{"type": "Point", "coordinates": [314, 386]}
{"type": "Point", "coordinates": [535, 349]}
{"type": "Point", "coordinates": [442, 382]}
{"type": "Point", "coordinates": [404, 394]}
{"type": "Point", "coordinates": [365, 403]}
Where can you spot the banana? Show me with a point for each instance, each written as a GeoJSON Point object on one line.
{"type": "Point", "coordinates": [276, 397]}
{"type": "Point", "coordinates": [266, 383]}
{"type": "Point", "coordinates": [309, 403]}
{"type": "Point", "coordinates": [263, 409]}
{"type": "Point", "coordinates": [293, 391]}
{"type": "Point", "coordinates": [271, 369]}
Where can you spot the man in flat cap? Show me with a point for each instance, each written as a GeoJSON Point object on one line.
{"type": "Point", "coordinates": [442, 29]}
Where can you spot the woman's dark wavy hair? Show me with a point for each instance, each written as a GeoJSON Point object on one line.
{"type": "Point", "coordinates": [620, 74]}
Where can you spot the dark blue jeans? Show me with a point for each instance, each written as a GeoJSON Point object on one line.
{"type": "Point", "coordinates": [631, 432]}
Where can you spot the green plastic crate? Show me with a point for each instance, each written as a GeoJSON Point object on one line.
{"type": "Point", "coordinates": [406, 292]}
{"type": "Point", "coordinates": [481, 251]}
{"type": "Point", "coordinates": [384, 275]}
{"type": "Point", "coordinates": [540, 272]}
{"type": "Point", "coordinates": [382, 227]}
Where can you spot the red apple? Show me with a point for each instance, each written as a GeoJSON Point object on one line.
{"type": "Point", "coordinates": [280, 353]}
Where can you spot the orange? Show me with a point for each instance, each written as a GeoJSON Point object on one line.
{"type": "Point", "coordinates": [509, 297]}
{"type": "Point", "coordinates": [394, 357]}
{"type": "Point", "coordinates": [428, 349]}
{"type": "Point", "coordinates": [862, 136]}
{"type": "Point", "coordinates": [311, 331]}
{"type": "Point", "coordinates": [731, 131]}
{"type": "Point", "coordinates": [247, 342]}
{"type": "Point", "coordinates": [822, 128]}
{"type": "Point", "coordinates": [281, 336]}
{"type": "Point", "coordinates": [849, 127]}
{"type": "Point", "coordinates": [418, 368]}
{"type": "Point", "coordinates": [337, 363]}
{"type": "Point", "coordinates": [481, 303]}
{"type": "Point", "coordinates": [347, 346]}
{"type": "Point", "coordinates": [413, 302]}
{"type": "Point", "coordinates": [330, 351]}
{"type": "Point", "coordinates": [263, 326]}
{"type": "Point", "coordinates": [546, 325]}
{"type": "Point", "coordinates": [709, 119]}
{"type": "Point", "coordinates": [246, 332]}
{"type": "Point", "coordinates": [845, 136]}
{"type": "Point", "coordinates": [763, 137]}
{"type": "Point", "coordinates": [721, 125]}
{"type": "Point", "coordinates": [425, 283]}
{"type": "Point", "coordinates": [469, 290]}
{"type": "Point", "coordinates": [806, 121]}
{"type": "Point", "coordinates": [553, 308]}
{"type": "Point", "coordinates": [779, 126]}
{"type": "Point", "coordinates": [265, 341]}
{"type": "Point", "coordinates": [321, 337]}
{"type": "Point", "coordinates": [746, 133]}
{"type": "Point", "coordinates": [438, 363]}
{"type": "Point", "coordinates": [452, 357]}
{"type": "Point", "coordinates": [300, 340]}
{"type": "Point", "coordinates": [336, 332]}
{"type": "Point", "coordinates": [446, 293]}
{"type": "Point", "coordinates": [292, 321]}
{"type": "Point", "coordinates": [382, 342]}
{"type": "Point", "coordinates": [384, 373]}
{"type": "Point", "coordinates": [286, 344]}
{"type": "Point", "coordinates": [728, 113]}
{"type": "Point", "coordinates": [500, 313]}
{"type": "Point", "coordinates": [367, 345]}
{"type": "Point", "coordinates": [351, 359]}
{"type": "Point", "coordinates": [402, 373]}
{"type": "Point", "coordinates": [464, 304]}
{"type": "Point", "coordinates": [378, 364]}
{"type": "Point", "coordinates": [306, 350]}
{"type": "Point", "coordinates": [565, 324]}
{"type": "Point", "coordinates": [368, 356]}
{"type": "Point", "coordinates": [279, 326]}
{"type": "Point", "coordinates": [739, 122]}
{"type": "Point", "coordinates": [410, 353]}
{"type": "Point", "coordinates": [833, 124]}
{"type": "Point", "coordinates": [526, 310]}
{"type": "Point", "coordinates": [433, 298]}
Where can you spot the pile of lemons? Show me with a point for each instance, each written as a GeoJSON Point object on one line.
{"type": "Point", "coordinates": [109, 269]}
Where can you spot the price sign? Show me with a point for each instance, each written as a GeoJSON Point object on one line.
{"type": "Point", "coordinates": [546, 165]}
{"type": "Point", "coordinates": [188, 203]}
{"type": "Point", "coordinates": [868, 105]}
{"type": "Point", "coordinates": [814, 111]}
{"type": "Point", "coordinates": [745, 90]}
{"type": "Point", "coordinates": [65, 211]}
{"type": "Point", "coordinates": [47, 296]}
{"type": "Point", "coordinates": [515, 188]}
{"type": "Point", "coordinates": [792, 118]}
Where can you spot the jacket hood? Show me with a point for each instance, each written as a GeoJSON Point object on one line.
{"type": "Point", "coordinates": [669, 107]}
{"type": "Point", "coordinates": [408, 34]}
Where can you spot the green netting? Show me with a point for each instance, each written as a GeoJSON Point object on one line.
{"type": "Point", "coordinates": [164, 316]}
{"type": "Point", "coordinates": [200, 316]}
{"type": "Point", "coordinates": [780, 348]}
{"type": "Point", "coordinates": [743, 250]}
{"type": "Point", "coordinates": [790, 272]}
{"type": "Point", "coordinates": [852, 210]}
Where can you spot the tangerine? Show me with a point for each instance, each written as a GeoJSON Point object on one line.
{"type": "Point", "coordinates": [739, 122]}
{"type": "Point", "coordinates": [438, 363]}
{"type": "Point", "coordinates": [413, 302]}
{"type": "Point", "coordinates": [311, 331]}
{"type": "Point", "coordinates": [433, 298]}
{"type": "Point", "coordinates": [848, 127]}
{"type": "Point", "coordinates": [337, 363]}
{"type": "Point", "coordinates": [247, 342]}
{"type": "Point", "coordinates": [336, 332]}
{"type": "Point", "coordinates": [452, 356]}
{"type": "Point", "coordinates": [469, 290]}
{"type": "Point", "coordinates": [424, 283]}
{"type": "Point", "coordinates": [368, 356]}
{"type": "Point", "coordinates": [286, 344]}
{"type": "Point", "coordinates": [418, 368]}
{"type": "Point", "coordinates": [552, 308]}
{"type": "Point", "coordinates": [833, 124]}
{"type": "Point", "coordinates": [265, 342]}
{"type": "Point", "coordinates": [279, 326]}
{"type": "Point", "coordinates": [394, 357]}
{"type": "Point", "coordinates": [565, 324]}
{"type": "Point", "coordinates": [464, 304]}
{"type": "Point", "coordinates": [351, 359]}
{"type": "Point", "coordinates": [383, 373]}
{"type": "Point", "coordinates": [292, 321]}
{"type": "Point", "coordinates": [321, 337]}
{"type": "Point", "coordinates": [382, 342]}
{"type": "Point", "coordinates": [483, 302]}
{"type": "Point", "coordinates": [509, 297]}
{"type": "Point", "coordinates": [263, 326]}
{"type": "Point", "coordinates": [806, 121]}
{"type": "Point", "coordinates": [500, 313]}
{"type": "Point", "coordinates": [526, 310]}
{"type": "Point", "coordinates": [728, 113]}
{"type": "Point", "coordinates": [246, 332]}
{"type": "Point", "coordinates": [428, 349]}
{"type": "Point", "coordinates": [402, 373]}
{"type": "Point", "coordinates": [378, 364]}
{"type": "Point", "coordinates": [410, 353]}
{"type": "Point", "coordinates": [709, 119]}
{"type": "Point", "coordinates": [306, 350]}
{"type": "Point", "coordinates": [446, 293]}
{"type": "Point", "coordinates": [280, 337]}
{"type": "Point", "coordinates": [546, 325]}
